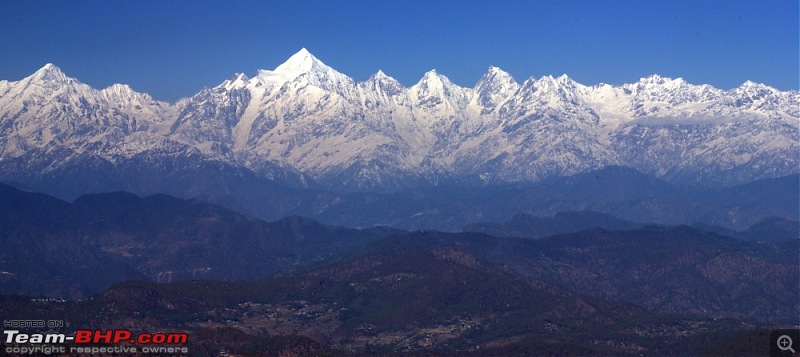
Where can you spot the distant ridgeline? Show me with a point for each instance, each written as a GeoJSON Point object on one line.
{"type": "Point", "coordinates": [298, 285]}
{"type": "Point", "coordinates": [306, 125]}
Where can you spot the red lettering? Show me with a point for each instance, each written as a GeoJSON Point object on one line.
{"type": "Point", "coordinates": [101, 337]}
{"type": "Point", "coordinates": [177, 338]}
{"type": "Point", "coordinates": [159, 338]}
{"type": "Point", "coordinates": [144, 338]}
{"type": "Point", "coordinates": [83, 336]}
{"type": "Point", "coordinates": [122, 335]}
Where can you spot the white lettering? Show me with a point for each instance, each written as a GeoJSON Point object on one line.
{"type": "Point", "coordinates": [10, 335]}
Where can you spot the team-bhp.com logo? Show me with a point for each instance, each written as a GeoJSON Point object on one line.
{"type": "Point", "coordinates": [87, 341]}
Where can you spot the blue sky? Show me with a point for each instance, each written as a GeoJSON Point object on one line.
{"type": "Point", "coordinates": [172, 49]}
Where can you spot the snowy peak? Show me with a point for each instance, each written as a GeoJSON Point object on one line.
{"type": "Point", "coordinates": [380, 82]}
{"type": "Point", "coordinates": [299, 63]}
{"type": "Point", "coordinates": [556, 84]}
{"type": "Point", "coordinates": [753, 95]}
{"type": "Point", "coordinates": [43, 86]}
{"type": "Point", "coordinates": [303, 63]}
{"type": "Point", "coordinates": [121, 94]}
{"type": "Point", "coordinates": [753, 87]}
{"type": "Point", "coordinates": [658, 81]}
{"type": "Point", "coordinates": [119, 90]}
{"type": "Point", "coordinates": [381, 77]}
{"type": "Point", "coordinates": [434, 76]}
{"type": "Point", "coordinates": [497, 70]}
{"type": "Point", "coordinates": [658, 96]}
{"type": "Point", "coordinates": [50, 73]}
{"type": "Point", "coordinates": [48, 67]}
{"type": "Point", "coordinates": [434, 89]}
{"type": "Point", "coordinates": [656, 85]}
{"type": "Point", "coordinates": [494, 88]}
{"type": "Point", "coordinates": [50, 77]}
{"type": "Point", "coordinates": [430, 77]}
{"type": "Point", "coordinates": [751, 84]}
{"type": "Point", "coordinates": [433, 82]}
{"type": "Point", "coordinates": [550, 91]}
{"type": "Point", "coordinates": [304, 69]}
{"type": "Point", "coordinates": [238, 80]}
{"type": "Point", "coordinates": [653, 79]}
{"type": "Point", "coordinates": [496, 79]}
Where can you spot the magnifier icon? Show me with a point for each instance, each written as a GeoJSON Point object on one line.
{"type": "Point", "coordinates": [785, 343]}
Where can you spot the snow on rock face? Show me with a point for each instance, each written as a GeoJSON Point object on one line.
{"type": "Point", "coordinates": [51, 111]}
{"type": "Point", "coordinates": [493, 89]}
{"type": "Point", "coordinates": [307, 117]}
{"type": "Point", "coordinates": [300, 63]}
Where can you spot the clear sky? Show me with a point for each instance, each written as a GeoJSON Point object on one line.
{"type": "Point", "coordinates": [172, 49]}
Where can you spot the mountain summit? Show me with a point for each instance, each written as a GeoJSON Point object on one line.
{"type": "Point", "coordinates": [305, 69]}
{"type": "Point", "coordinates": [304, 122]}
{"type": "Point", "coordinates": [301, 62]}
{"type": "Point", "coordinates": [49, 73]}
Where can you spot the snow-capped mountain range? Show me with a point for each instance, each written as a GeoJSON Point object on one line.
{"type": "Point", "coordinates": [304, 120]}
